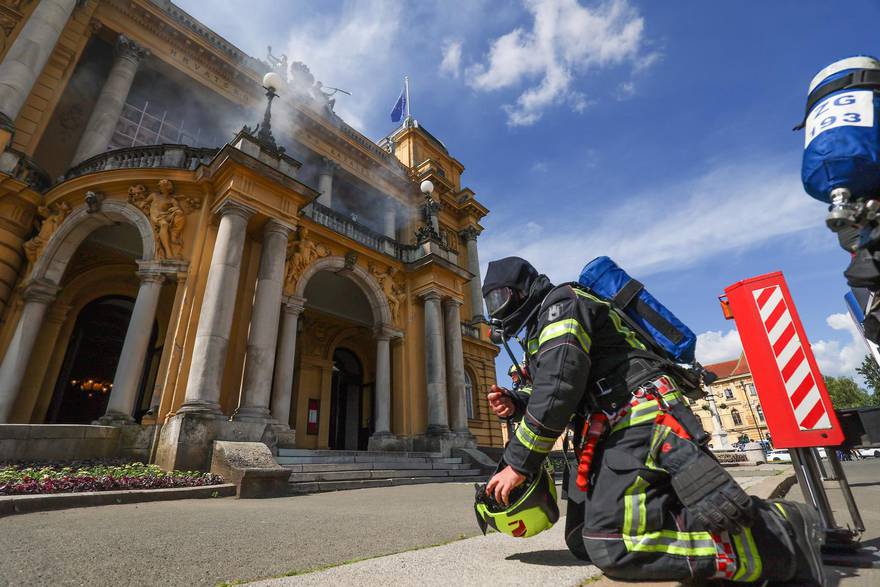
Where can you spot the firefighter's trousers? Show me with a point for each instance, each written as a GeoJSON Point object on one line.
{"type": "Point", "coordinates": [632, 526]}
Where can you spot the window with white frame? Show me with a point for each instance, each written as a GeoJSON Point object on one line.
{"type": "Point", "coordinates": [737, 420]}
{"type": "Point", "coordinates": [750, 387]}
{"type": "Point", "coordinates": [760, 411]}
{"type": "Point", "coordinates": [728, 393]}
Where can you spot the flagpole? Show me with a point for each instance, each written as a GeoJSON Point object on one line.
{"type": "Point", "coordinates": [406, 88]}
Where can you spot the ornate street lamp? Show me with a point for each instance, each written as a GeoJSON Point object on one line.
{"type": "Point", "coordinates": [271, 83]}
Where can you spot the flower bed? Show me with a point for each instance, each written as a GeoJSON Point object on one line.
{"type": "Point", "coordinates": [38, 478]}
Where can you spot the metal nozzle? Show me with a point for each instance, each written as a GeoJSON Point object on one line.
{"type": "Point", "coordinates": [843, 213]}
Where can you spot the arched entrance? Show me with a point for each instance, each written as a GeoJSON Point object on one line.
{"type": "Point", "coordinates": [348, 428]}
{"type": "Point", "coordinates": [342, 391]}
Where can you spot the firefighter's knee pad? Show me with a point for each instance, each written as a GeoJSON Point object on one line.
{"type": "Point", "coordinates": [712, 496]}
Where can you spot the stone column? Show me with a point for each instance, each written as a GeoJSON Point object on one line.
{"type": "Point", "coordinates": [455, 367]}
{"type": "Point", "coordinates": [435, 366]}
{"type": "Point", "coordinates": [263, 334]}
{"type": "Point", "coordinates": [215, 319]}
{"type": "Point", "coordinates": [130, 368]}
{"type": "Point", "coordinates": [473, 265]}
{"type": "Point", "coordinates": [282, 388]}
{"type": "Point", "coordinates": [383, 383]}
{"type": "Point", "coordinates": [719, 434]}
{"type": "Point", "coordinates": [390, 220]}
{"type": "Point", "coordinates": [102, 123]}
{"type": "Point", "coordinates": [25, 60]}
{"type": "Point", "coordinates": [325, 182]}
{"type": "Point", "coordinates": [37, 297]}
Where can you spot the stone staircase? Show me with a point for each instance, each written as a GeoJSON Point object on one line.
{"type": "Point", "coordinates": [314, 471]}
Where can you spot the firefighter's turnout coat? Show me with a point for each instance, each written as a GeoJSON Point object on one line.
{"type": "Point", "coordinates": [584, 359]}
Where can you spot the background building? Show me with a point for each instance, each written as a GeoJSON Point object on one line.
{"type": "Point", "coordinates": [737, 402]}
{"type": "Point", "coordinates": [167, 271]}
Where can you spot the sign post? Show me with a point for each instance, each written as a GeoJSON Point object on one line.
{"type": "Point", "coordinates": [791, 388]}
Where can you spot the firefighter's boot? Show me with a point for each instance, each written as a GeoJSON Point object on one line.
{"type": "Point", "coordinates": [807, 535]}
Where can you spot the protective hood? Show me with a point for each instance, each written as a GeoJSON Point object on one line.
{"type": "Point", "coordinates": [519, 274]}
{"type": "Point", "coordinates": [509, 272]}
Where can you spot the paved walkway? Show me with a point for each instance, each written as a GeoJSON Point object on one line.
{"type": "Point", "coordinates": [206, 542]}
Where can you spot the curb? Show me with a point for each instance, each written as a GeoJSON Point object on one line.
{"type": "Point", "coordinates": [773, 487]}
{"type": "Point", "coordinates": [25, 504]}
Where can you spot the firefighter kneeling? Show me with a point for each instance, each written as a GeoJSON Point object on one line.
{"type": "Point", "coordinates": [649, 501]}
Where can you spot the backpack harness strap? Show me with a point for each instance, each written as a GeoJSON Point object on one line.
{"type": "Point", "coordinates": [651, 402]}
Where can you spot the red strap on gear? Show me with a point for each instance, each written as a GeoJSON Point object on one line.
{"type": "Point", "coordinates": [666, 419]}
{"type": "Point", "coordinates": [593, 431]}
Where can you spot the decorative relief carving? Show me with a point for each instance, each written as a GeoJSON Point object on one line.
{"type": "Point", "coordinates": [167, 214]}
{"type": "Point", "coordinates": [52, 217]}
{"type": "Point", "coordinates": [301, 253]}
{"type": "Point", "coordinates": [393, 288]}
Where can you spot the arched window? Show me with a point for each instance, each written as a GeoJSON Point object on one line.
{"type": "Point", "coordinates": [760, 413]}
{"type": "Point", "coordinates": [469, 394]}
{"type": "Point", "coordinates": [728, 393]}
{"type": "Point", "coordinates": [737, 420]}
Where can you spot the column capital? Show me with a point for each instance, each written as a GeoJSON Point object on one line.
{"type": "Point", "coordinates": [452, 302]}
{"type": "Point", "coordinates": [40, 291]}
{"type": "Point", "coordinates": [470, 233]}
{"type": "Point", "coordinates": [231, 207]}
{"type": "Point", "coordinates": [273, 226]}
{"type": "Point", "coordinates": [386, 332]}
{"type": "Point", "coordinates": [293, 304]}
{"type": "Point", "coordinates": [328, 165]}
{"type": "Point", "coordinates": [151, 276]}
{"type": "Point", "coordinates": [431, 295]}
{"type": "Point", "coordinates": [125, 48]}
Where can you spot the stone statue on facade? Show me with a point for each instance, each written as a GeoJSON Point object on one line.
{"type": "Point", "coordinates": [167, 213]}
{"type": "Point", "coordinates": [278, 64]}
{"type": "Point", "coordinates": [52, 217]}
{"type": "Point", "coordinates": [301, 253]}
{"type": "Point", "coordinates": [394, 291]}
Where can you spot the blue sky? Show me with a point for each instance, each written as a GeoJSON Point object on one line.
{"type": "Point", "coordinates": [654, 132]}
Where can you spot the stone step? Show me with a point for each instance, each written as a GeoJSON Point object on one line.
{"type": "Point", "coordinates": [377, 474]}
{"type": "Point", "coordinates": [321, 486]}
{"type": "Point", "coordinates": [305, 452]}
{"type": "Point", "coordinates": [340, 459]}
{"type": "Point", "coordinates": [410, 466]}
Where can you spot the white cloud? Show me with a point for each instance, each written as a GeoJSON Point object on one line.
{"type": "Point", "coordinates": [540, 167]}
{"type": "Point", "coordinates": [626, 90]}
{"type": "Point", "coordinates": [728, 208]}
{"type": "Point", "coordinates": [566, 39]}
{"type": "Point", "coordinates": [350, 51]}
{"type": "Point", "coordinates": [834, 358]}
{"type": "Point", "coordinates": [715, 346]}
{"type": "Point", "coordinates": [451, 63]}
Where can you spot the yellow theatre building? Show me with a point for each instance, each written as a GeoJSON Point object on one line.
{"type": "Point", "coordinates": [169, 272]}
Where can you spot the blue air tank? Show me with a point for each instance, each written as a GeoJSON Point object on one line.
{"type": "Point", "coordinates": [841, 135]}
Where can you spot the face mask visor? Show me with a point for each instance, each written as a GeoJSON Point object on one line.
{"type": "Point", "coordinates": [499, 301]}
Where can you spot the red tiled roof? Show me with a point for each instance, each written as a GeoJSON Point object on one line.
{"type": "Point", "coordinates": [732, 368]}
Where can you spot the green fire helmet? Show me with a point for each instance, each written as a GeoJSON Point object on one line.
{"type": "Point", "coordinates": [533, 507]}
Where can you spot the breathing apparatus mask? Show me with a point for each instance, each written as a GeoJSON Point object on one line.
{"type": "Point", "coordinates": [532, 508]}
{"type": "Point", "coordinates": [513, 291]}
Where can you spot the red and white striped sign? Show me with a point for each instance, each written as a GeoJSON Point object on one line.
{"type": "Point", "coordinates": [790, 386]}
{"type": "Point", "coordinates": [800, 385]}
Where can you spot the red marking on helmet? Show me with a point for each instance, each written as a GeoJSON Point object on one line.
{"type": "Point", "coordinates": [520, 530]}
{"type": "Point", "coordinates": [666, 447]}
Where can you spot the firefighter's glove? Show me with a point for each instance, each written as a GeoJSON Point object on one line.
{"type": "Point", "coordinates": [712, 496]}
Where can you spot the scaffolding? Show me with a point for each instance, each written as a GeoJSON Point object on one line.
{"type": "Point", "coordinates": [138, 127]}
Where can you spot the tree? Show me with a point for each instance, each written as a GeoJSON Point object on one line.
{"type": "Point", "coordinates": [846, 393]}
{"type": "Point", "coordinates": [871, 372]}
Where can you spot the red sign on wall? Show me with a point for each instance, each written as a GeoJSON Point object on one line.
{"type": "Point", "coordinates": [791, 389]}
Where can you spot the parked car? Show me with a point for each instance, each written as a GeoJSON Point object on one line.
{"type": "Point", "coordinates": [778, 456]}
{"type": "Point", "coordinates": [869, 452]}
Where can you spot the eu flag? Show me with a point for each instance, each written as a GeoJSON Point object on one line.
{"type": "Point", "coordinates": [399, 107]}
